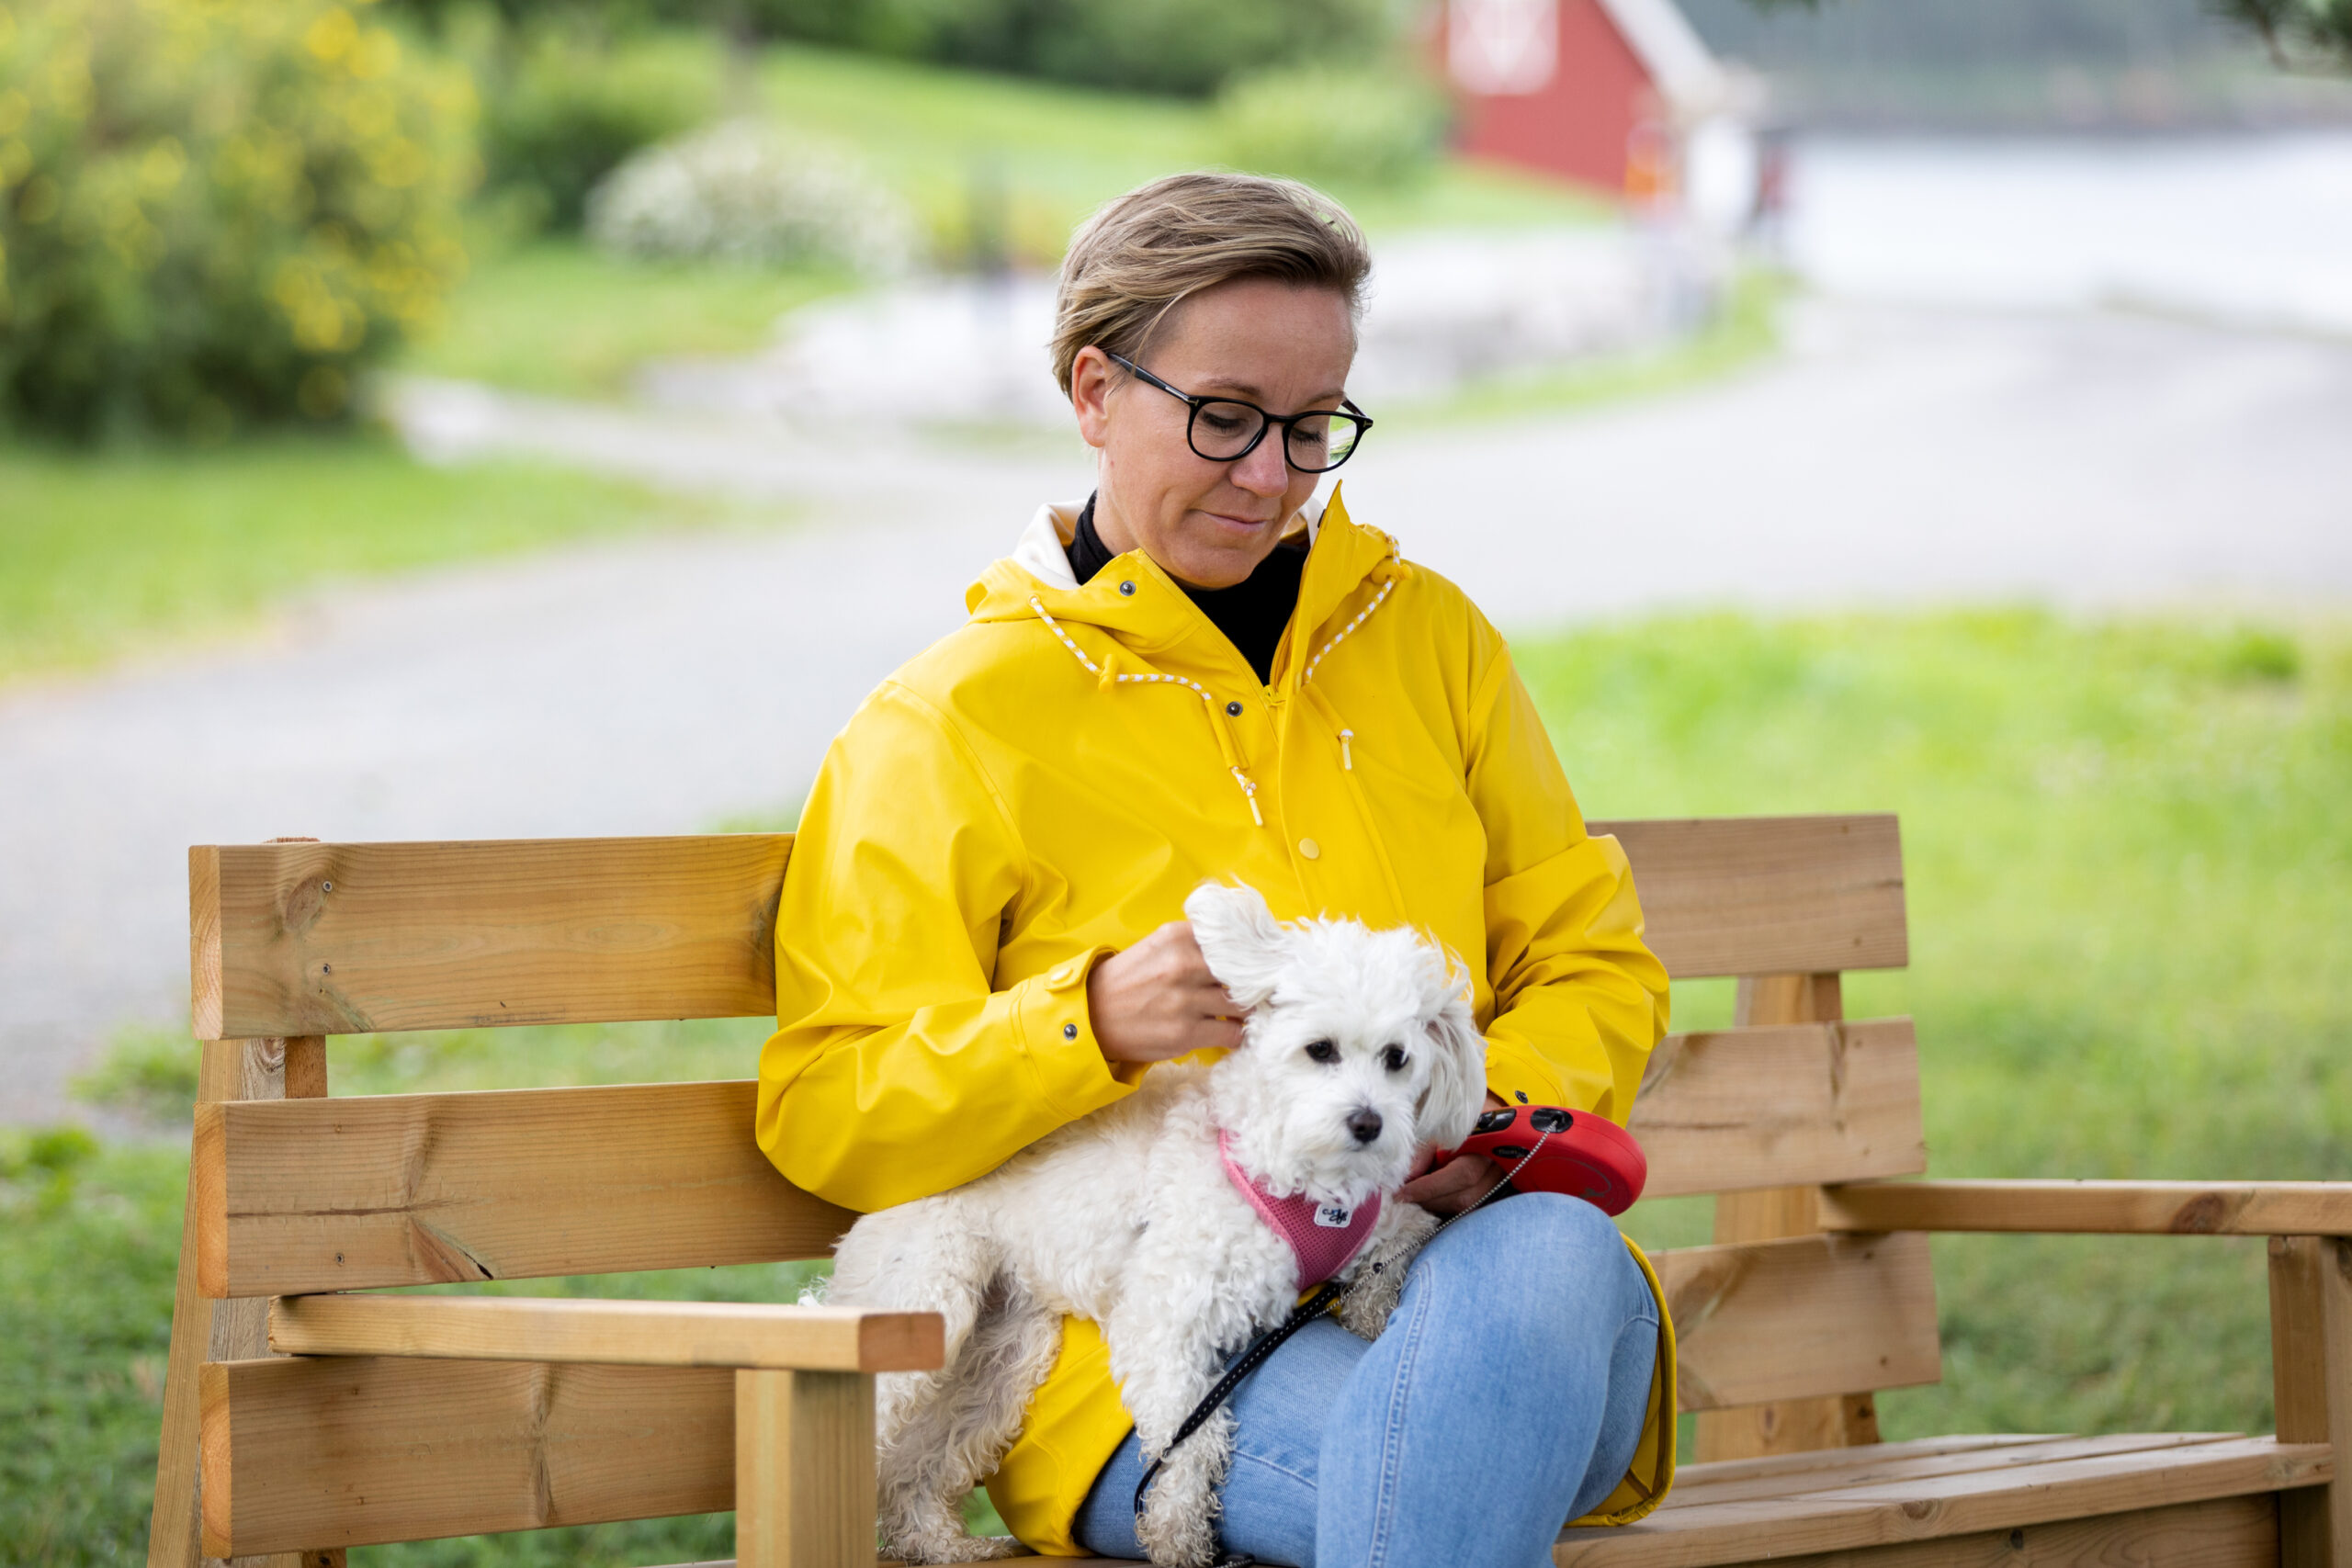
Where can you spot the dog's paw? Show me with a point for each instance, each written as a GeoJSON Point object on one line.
{"type": "Point", "coordinates": [950, 1545]}
{"type": "Point", "coordinates": [1380, 1275]}
{"type": "Point", "coordinates": [1178, 1527]}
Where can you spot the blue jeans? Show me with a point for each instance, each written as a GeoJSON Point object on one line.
{"type": "Point", "coordinates": [1505, 1398]}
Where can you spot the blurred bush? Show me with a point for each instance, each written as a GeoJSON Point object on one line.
{"type": "Point", "coordinates": [1167, 46]}
{"type": "Point", "coordinates": [1333, 125]}
{"type": "Point", "coordinates": [216, 211]}
{"type": "Point", "coordinates": [564, 105]}
{"type": "Point", "coordinates": [750, 191]}
{"type": "Point", "coordinates": [38, 1165]}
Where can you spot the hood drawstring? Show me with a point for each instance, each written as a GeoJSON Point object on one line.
{"type": "Point", "coordinates": [1225, 746]}
{"type": "Point", "coordinates": [1347, 753]}
{"type": "Point", "coordinates": [1341, 636]}
{"type": "Point", "coordinates": [1216, 717]}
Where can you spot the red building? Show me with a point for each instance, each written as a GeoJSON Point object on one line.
{"type": "Point", "coordinates": [1602, 91]}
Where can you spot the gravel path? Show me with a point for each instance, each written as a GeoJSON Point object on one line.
{"type": "Point", "coordinates": [660, 685]}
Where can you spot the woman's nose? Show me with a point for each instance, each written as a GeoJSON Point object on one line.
{"type": "Point", "coordinates": [1265, 471]}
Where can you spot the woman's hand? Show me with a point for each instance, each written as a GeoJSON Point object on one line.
{"type": "Point", "coordinates": [1459, 1182]}
{"type": "Point", "coordinates": [1158, 1000]}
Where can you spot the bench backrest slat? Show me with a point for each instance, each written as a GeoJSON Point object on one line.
{"type": "Point", "coordinates": [1770, 894]}
{"type": "Point", "coordinates": [1801, 1105]}
{"type": "Point", "coordinates": [294, 939]}
{"type": "Point", "coordinates": [414, 1189]}
{"type": "Point", "coordinates": [307, 1195]}
{"type": "Point", "coordinates": [456, 1448]}
{"type": "Point", "coordinates": [351, 938]}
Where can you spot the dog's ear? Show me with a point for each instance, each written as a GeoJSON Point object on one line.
{"type": "Point", "coordinates": [1457, 1090]}
{"type": "Point", "coordinates": [1239, 939]}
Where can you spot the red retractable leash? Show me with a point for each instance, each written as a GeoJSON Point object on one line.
{"type": "Point", "coordinates": [1547, 1149]}
{"type": "Point", "coordinates": [1579, 1154]}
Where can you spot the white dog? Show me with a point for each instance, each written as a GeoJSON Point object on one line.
{"type": "Point", "coordinates": [1359, 1047]}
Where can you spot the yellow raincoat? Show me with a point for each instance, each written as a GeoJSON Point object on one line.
{"type": "Point", "coordinates": [1043, 787]}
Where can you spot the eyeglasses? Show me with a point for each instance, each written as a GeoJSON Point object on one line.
{"type": "Point", "coordinates": [1225, 430]}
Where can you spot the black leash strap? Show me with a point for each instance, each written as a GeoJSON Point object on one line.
{"type": "Point", "coordinates": [1248, 1361]}
{"type": "Point", "coordinates": [1274, 1339]}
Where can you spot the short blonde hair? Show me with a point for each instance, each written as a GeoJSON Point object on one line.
{"type": "Point", "coordinates": [1150, 250]}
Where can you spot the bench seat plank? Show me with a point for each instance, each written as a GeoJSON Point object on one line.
{"type": "Point", "coordinates": [1790, 1466]}
{"type": "Point", "coordinates": [1701, 1534]}
{"type": "Point", "coordinates": [614, 1333]}
{"type": "Point", "coordinates": [2222, 1532]}
{"type": "Point", "coordinates": [2105, 1208]}
{"type": "Point", "coordinates": [1864, 1467]}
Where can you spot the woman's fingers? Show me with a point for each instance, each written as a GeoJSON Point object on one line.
{"type": "Point", "coordinates": [1158, 1000]}
{"type": "Point", "coordinates": [1454, 1186]}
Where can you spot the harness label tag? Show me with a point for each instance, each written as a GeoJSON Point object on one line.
{"type": "Point", "coordinates": [1331, 1217]}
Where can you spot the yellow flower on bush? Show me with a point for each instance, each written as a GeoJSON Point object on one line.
{"type": "Point", "coordinates": [210, 204]}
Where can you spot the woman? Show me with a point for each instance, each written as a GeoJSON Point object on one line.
{"type": "Point", "coordinates": [1190, 677]}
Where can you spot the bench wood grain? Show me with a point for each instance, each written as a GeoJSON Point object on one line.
{"type": "Point", "coordinates": [351, 938]}
{"type": "Point", "coordinates": [348, 939]}
{"type": "Point", "coordinates": [352, 1449]}
{"type": "Point", "coordinates": [2144, 1208]}
{"type": "Point", "coordinates": [1734, 1108]}
{"type": "Point", "coordinates": [614, 1333]}
{"type": "Point", "coordinates": [1701, 1534]}
{"type": "Point", "coordinates": [427, 1188]}
{"type": "Point", "coordinates": [406, 1189]}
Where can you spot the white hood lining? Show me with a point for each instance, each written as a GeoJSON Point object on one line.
{"type": "Point", "coordinates": [1044, 549]}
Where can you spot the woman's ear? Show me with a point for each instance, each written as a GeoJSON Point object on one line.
{"type": "Point", "coordinates": [1091, 380]}
{"type": "Point", "coordinates": [1239, 939]}
{"type": "Point", "coordinates": [1457, 1090]}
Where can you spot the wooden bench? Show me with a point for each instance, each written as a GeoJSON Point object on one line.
{"type": "Point", "coordinates": [299, 1421]}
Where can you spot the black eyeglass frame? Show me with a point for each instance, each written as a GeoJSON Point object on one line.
{"type": "Point", "coordinates": [1347, 411]}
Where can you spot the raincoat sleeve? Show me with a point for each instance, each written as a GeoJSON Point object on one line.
{"type": "Point", "coordinates": [897, 1069]}
{"type": "Point", "coordinates": [1579, 1001]}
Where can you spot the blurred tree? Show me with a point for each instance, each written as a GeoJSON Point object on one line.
{"type": "Point", "coordinates": [2298, 33]}
{"type": "Point", "coordinates": [216, 211]}
{"type": "Point", "coordinates": [564, 102]}
{"type": "Point", "coordinates": [1169, 45]}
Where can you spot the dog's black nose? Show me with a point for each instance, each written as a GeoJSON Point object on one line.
{"type": "Point", "coordinates": [1365, 1125]}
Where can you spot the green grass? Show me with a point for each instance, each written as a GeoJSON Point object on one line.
{"type": "Point", "coordinates": [2131, 893]}
{"type": "Point", "coordinates": [558, 317]}
{"type": "Point", "coordinates": [103, 554]}
{"type": "Point", "coordinates": [945, 137]}
{"type": "Point", "coordinates": [88, 1246]}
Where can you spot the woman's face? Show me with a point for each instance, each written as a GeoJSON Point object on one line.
{"type": "Point", "coordinates": [1285, 347]}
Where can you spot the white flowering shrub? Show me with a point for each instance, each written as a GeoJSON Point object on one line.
{"type": "Point", "coordinates": [749, 191]}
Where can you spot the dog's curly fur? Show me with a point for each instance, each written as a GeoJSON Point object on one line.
{"type": "Point", "coordinates": [1127, 1217]}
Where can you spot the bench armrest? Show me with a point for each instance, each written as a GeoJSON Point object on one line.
{"type": "Point", "coordinates": [2118, 1208]}
{"type": "Point", "coordinates": [645, 1334]}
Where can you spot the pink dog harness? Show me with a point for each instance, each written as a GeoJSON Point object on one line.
{"type": "Point", "coordinates": [1324, 1236]}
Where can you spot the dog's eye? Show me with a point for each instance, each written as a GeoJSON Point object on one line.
{"type": "Point", "coordinates": [1393, 1059]}
{"type": "Point", "coordinates": [1322, 1051]}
